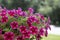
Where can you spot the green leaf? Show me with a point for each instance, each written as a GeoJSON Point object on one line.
{"type": "Point", "coordinates": [6, 29]}
{"type": "Point", "coordinates": [27, 39]}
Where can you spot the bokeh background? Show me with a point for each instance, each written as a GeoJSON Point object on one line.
{"type": "Point", "coordinates": [46, 7]}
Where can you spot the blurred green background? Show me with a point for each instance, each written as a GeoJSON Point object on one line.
{"type": "Point", "coordinates": [47, 7]}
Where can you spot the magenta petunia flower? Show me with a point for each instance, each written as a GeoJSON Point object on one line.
{"type": "Point", "coordinates": [22, 29]}
{"type": "Point", "coordinates": [20, 38]}
{"type": "Point", "coordinates": [42, 17]}
{"type": "Point", "coordinates": [46, 29]}
{"type": "Point", "coordinates": [14, 25]}
{"type": "Point", "coordinates": [22, 13]}
{"type": "Point", "coordinates": [30, 10]}
{"type": "Point", "coordinates": [4, 10]}
{"type": "Point", "coordinates": [11, 12]}
{"type": "Point", "coordinates": [3, 14]}
{"type": "Point", "coordinates": [19, 11]}
{"type": "Point", "coordinates": [9, 36]}
{"type": "Point", "coordinates": [29, 23]}
{"type": "Point", "coordinates": [0, 31]}
{"type": "Point", "coordinates": [26, 34]}
{"type": "Point", "coordinates": [38, 36]}
{"type": "Point", "coordinates": [47, 26]}
{"type": "Point", "coordinates": [4, 19]}
{"type": "Point", "coordinates": [33, 30]}
{"type": "Point", "coordinates": [41, 31]}
{"type": "Point", "coordinates": [32, 19]}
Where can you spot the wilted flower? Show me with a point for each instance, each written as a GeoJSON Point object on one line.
{"type": "Point", "coordinates": [46, 29]}
{"type": "Point", "coordinates": [14, 25]}
{"type": "Point", "coordinates": [46, 33]}
{"type": "Point", "coordinates": [4, 19]}
{"type": "Point", "coordinates": [9, 36]}
{"type": "Point", "coordinates": [47, 26]}
{"type": "Point", "coordinates": [33, 30]}
{"type": "Point", "coordinates": [20, 38]}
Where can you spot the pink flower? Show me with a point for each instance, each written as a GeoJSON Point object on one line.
{"type": "Point", "coordinates": [19, 11]}
{"type": "Point", "coordinates": [26, 34]}
{"type": "Point", "coordinates": [38, 36]}
{"type": "Point", "coordinates": [4, 10]}
{"type": "Point", "coordinates": [30, 10]}
{"type": "Point", "coordinates": [32, 19]}
{"type": "Point", "coordinates": [46, 29]}
{"type": "Point", "coordinates": [47, 26]}
{"type": "Point", "coordinates": [20, 38]}
{"type": "Point", "coordinates": [41, 31]}
{"type": "Point", "coordinates": [22, 13]}
{"type": "Point", "coordinates": [29, 23]}
{"type": "Point", "coordinates": [0, 31]}
{"type": "Point", "coordinates": [33, 30]}
{"type": "Point", "coordinates": [3, 14]}
{"type": "Point", "coordinates": [11, 12]}
{"type": "Point", "coordinates": [14, 25]}
{"type": "Point", "coordinates": [9, 36]}
{"type": "Point", "coordinates": [22, 29]}
{"type": "Point", "coordinates": [42, 17]}
{"type": "Point", "coordinates": [4, 19]}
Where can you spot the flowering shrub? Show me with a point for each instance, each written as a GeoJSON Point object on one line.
{"type": "Point", "coordinates": [23, 25]}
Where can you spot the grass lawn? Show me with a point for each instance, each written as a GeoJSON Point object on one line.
{"type": "Point", "coordinates": [52, 37]}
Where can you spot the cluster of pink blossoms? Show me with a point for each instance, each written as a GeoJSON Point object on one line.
{"type": "Point", "coordinates": [28, 25]}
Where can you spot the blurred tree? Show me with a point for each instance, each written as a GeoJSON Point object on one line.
{"type": "Point", "coordinates": [47, 7]}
